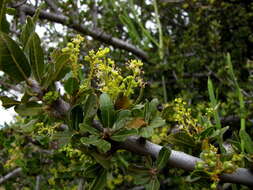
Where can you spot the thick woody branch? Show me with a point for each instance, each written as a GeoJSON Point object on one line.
{"type": "Point", "coordinates": [15, 172]}
{"type": "Point", "coordinates": [184, 161]}
{"type": "Point", "coordinates": [95, 33]}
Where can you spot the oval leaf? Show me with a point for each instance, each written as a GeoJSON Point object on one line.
{"type": "Point", "coordinates": [71, 85]}
{"type": "Point", "coordinates": [123, 134]}
{"type": "Point", "coordinates": [29, 109]}
{"type": "Point", "coordinates": [27, 30]}
{"type": "Point", "coordinates": [99, 182]}
{"type": "Point", "coordinates": [12, 60]}
{"type": "Point", "coordinates": [163, 157]}
{"type": "Point", "coordinates": [107, 110]}
{"type": "Point", "coordinates": [35, 52]}
{"type": "Point", "coordinates": [8, 102]}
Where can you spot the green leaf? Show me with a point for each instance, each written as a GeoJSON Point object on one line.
{"type": "Point", "coordinates": [36, 55]}
{"type": "Point", "coordinates": [213, 103]}
{"type": "Point", "coordinates": [101, 144]}
{"type": "Point", "coordinates": [12, 60]}
{"type": "Point", "coordinates": [107, 110]}
{"type": "Point", "coordinates": [181, 139]}
{"type": "Point", "coordinates": [29, 127]}
{"type": "Point", "coordinates": [219, 132]}
{"type": "Point", "coordinates": [71, 86]}
{"type": "Point", "coordinates": [150, 110]}
{"type": "Point", "coordinates": [163, 157]}
{"type": "Point", "coordinates": [90, 107]}
{"type": "Point", "coordinates": [92, 171]}
{"type": "Point", "coordinates": [157, 122]}
{"type": "Point", "coordinates": [84, 127]}
{"type": "Point", "coordinates": [76, 117]}
{"type": "Point", "coordinates": [62, 137]}
{"type": "Point", "coordinates": [99, 182]}
{"type": "Point", "coordinates": [207, 132]}
{"type": "Point", "coordinates": [89, 140]}
{"type": "Point", "coordinates": [101, 159]}
{"type": "Point", "coordinates": [29, 109]}
{"type": "Point", "coordinates": [57, 69]}
{"type": "Point", "coordinates": [8, 102]}
{"type": "Point", "coordinates": [141, 179]}
{"type": "Point", "coordinates": [247, 141]}
{"type": "Point", "coordinates": [154, 184]}
{"type": "Point", "coordinates": [4, 25]}
{"type": "Point", "coordinates": [27, 30]}
{"type": "Point", "coordinates": [123, 134]}
{"type": "Point", "coordinates": [121, 123]}
{"type": "Point", "coordinates": [146, 132]}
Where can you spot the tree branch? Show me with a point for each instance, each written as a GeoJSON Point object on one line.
{"type": "Point", "coordinates": [97, 34]}
{"type": "Point", "coordinates": [52, 5]}
{"type": "Point", "coordinates": [184, 161]}
{"type": "Point", "coordinates": [11, 174]}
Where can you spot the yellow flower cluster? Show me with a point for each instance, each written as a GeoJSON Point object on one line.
{"type": "Point", "coordinates": [213, 165]}
{"type": "Point", "coordinates": [160, 135]}
{"type": "Point", "coordinates": [110, 79]}
{"type": "Point", "coordinates": [73, 48]}
{"type": "Point", "coordinates": [182, 115]}
{"type": "Point", "coordinates": [15, 154]}
{"type": "Point", "coordinates": [45, 130]}
{"type": "Point", "coordinates": [75, 153]}
{"type": "Point", "coordinates": [50, 97]}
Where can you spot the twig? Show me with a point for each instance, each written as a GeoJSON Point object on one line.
{"type": "Point", "coordinates": [52, 5]}
{"type": "Point", "coordinates": [37, 186]}
{"type": "Point", "coordinates": [18, 4]}
{"type": "Point", "coordinates": [80, 184]}
{"type": "Point", "coordinates": [9, 86]}
{"type": "Point", "coordinates": [96, 34]}
{"type": "Point", "coordinates": [11, 174]}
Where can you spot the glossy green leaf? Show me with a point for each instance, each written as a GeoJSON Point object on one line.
{"type": "Point", "coordinates": [123, 134]}
{"type": "Point", "coordinates": [247, 141]}
{"type": "Point", "coordinates": [157, 122]}
{"type": "Point", "coordinates": [101, 144]}
{"type": "Point", "coordinates": [163, 158]}
{"type": "Point", "coordinates": [89, 140]}
{"type": "Point", "coordinates": [146, 132]}
{"type": "Point", "coordinates": [90, 107]}
{"type": "Point", "coordinates": [154, 184]}
{"type": "Point", "coordinates": [29, 109]}
{"type": "Point", "coordinates": [92, 171]}
{"type": "Point", "coordinates": [213, 103]}
{"type": "Point", "coordinates": [8, 102]}
{"type": "Point", "coordinates": [36, 55]}
{"type": "Point", "coordinates": [181, 139]}
{"type": "Point", "coordinates": [99, 182]}
{"type": "Point", "coordinates": [121, 123]}
{"type": "Point", "coordinates": [29, 127]}
{"type": "Point", "coordinates": [219, 132]}
{"type": "Point", "coordinates": [84, 127]}
{"type": "Point", "coordinates": [141, 179]}
{"type": "Point", "coordinates": [27, 30]}
{"type": "Point", "coordinates": [107, 110]}
{"type": "Point", "coordinates": [150, 110]}
{"type": "Point", "coordinates": [76, 117]}
{"type": "Point", "coordinates": [12, 60]}
{"type": "Point", "coordinates": [102, 159]}
{"type": "Point", "coordinates": [71, 86]}
{"type": "Point", "coordinates": [58, 68]}
{"type": "Point", "coordinates": [4, 25]}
